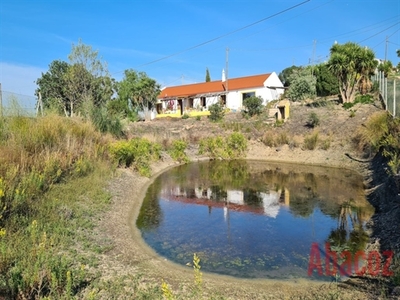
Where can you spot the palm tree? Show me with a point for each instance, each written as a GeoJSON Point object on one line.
{"type": "Point", "coordinates": [351, 64]}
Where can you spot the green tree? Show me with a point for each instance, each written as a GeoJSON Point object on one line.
{"type": "Point", "coordinates": [78, 84]}
{"type": "Point", "coordinates": [327, 83]}
{"type": "Point", "coordinates": [67, 86]}
{"type": "Point", "coordinates": [253, 105]}
{"type": "Point", "coordinates": [208, 78]}
{"type": "Point", "coordinates": [52, 87]}
{"type": "Point", "coordinates": [87, 79]}
{"type": "Point", "coordinates": [139, 91]}
{"type": "Point", "coordinates": [302, 86]}
{"type": "Point", "coordinates": [386, 67]}
{"type": "Point", "coordinates": [284, 76]}
{"type": "Point", "coordinates": [351, 64]}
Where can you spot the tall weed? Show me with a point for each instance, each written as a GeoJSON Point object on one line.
{"type": "Point", "coordinates": [310, 141]}
{"type": "Point", "coordinates": [369, 137]}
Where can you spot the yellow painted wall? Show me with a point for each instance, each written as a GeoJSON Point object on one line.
{"type": "Point", "coordinates": [193, 113]}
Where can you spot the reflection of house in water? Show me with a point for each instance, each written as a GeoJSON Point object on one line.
{"type": "Point", "coordinates": [268, 203]}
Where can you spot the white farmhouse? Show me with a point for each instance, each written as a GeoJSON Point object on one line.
{"type": "Point", "coordinates": [197, 97]}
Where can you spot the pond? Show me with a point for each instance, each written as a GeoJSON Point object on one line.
{"type": "Point", "coordinates": [254, 219]}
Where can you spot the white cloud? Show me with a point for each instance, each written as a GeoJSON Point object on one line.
{"type": "Point", "coordinates": [19, 79]}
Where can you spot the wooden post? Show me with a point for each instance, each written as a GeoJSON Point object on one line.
{"type": "Point", "coordinates": [39, 105]}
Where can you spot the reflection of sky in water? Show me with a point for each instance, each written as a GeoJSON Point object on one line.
{"type": "Point", "coordinates": [231, 236]}
{"type": "Point", "coordinates": [240, 234]}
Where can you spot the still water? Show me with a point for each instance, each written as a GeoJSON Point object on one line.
{"type": "Point", "coordinates": [253, 219]}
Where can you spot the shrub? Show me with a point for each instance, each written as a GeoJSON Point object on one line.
{"type": "Point", "coordinates": [325, 144]}
{"type": "Point", "coordinates": [106, 122]}
{"type": "Point", "coordinates": [185, 116]}
{"type": "Point", "coordinates": [138, 152]}
{"type": "Point", "coordinates": [216, 112]}
{"type": "Point", "coordinates": [282, 138]}
{"type": "Point", "coordinates": [253, 105]}
{"type": "Point", "coordinates": [348, 105]}
{"type": "Point", "coordinates": [269, 140]}
{"type": "Point", "coordinates": [231, 147]}
{"type": "Point", "coordinates": [214, 147]}
{"type": "Point", "coordinates": [177, 151]}
{"type": "Point", "coordinates": [310, 141]}
{"type": "Point", "coordinates": [236, 145]}
{"type": "Point", "coordinates": [313, 120]}
{"type": "Point", "coordinates": [363, 99]}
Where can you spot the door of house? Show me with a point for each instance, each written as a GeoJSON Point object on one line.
{"type": "Point", "coordinates": [180, 106]}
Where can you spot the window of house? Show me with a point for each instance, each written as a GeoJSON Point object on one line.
{"type": "Point", "coordinates": [248, 95]}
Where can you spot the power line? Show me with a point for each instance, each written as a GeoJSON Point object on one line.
{"type": "Point", "coordinates": [378, 32]}
{"type": "Point", "coordinates": [221, 36]}
{"type": "Point", "coordinates": [320, 41]}
{"type": "Point", "coordinates": [314, 8]}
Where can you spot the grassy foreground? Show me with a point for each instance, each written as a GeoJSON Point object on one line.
{"type": "Point", "coordinates": [53, 171]}
{"type": "Point", "coordinates": [46, 167]}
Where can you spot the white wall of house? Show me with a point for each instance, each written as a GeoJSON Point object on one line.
{"type": "Point", "coordinates": [270, 91]}
{"type": "Point", "coordinates": [209, 101]}
{"type": "Point", "coordinates": [234, 100]}
{"type": "Point", "coordinates": [273, 81]}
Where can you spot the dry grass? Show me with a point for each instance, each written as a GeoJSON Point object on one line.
{"type": "Point", "coordinates": [369, 136]}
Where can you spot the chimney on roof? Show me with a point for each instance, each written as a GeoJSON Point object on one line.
{"type": "Point", "coordinates": [223, 75]}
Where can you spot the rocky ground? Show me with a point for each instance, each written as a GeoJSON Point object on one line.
{"type": "Point", "coordinates": [129, 253]}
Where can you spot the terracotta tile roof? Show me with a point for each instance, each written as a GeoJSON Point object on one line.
{"type": "Point", "coordinates": [214, 86]}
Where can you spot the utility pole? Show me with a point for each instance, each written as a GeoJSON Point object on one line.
{"type": "Point", "coordinates": [313, 57]}
{"type": "Point", "coordinates": [1, 102]}
{"type": "Point", "coordinates": [226, 73]}
{"type": "Point", "coordinates": [386, 46]}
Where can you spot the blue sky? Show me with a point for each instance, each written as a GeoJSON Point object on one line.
{"type": "Point", "coordinates": [134, 34]}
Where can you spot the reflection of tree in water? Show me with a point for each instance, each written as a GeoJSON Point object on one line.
{"type": "Point", "coordinates": [303, 205]}
{"type": "Point", "coordinates": [234, 173]}
{"type": "Point", "coordinates": [350, 234]}
{"type": "Point", "coordinates": [150, 215]}
{"type": "Point", "coordinates": [310, 181]}
{"type": "Point", "coordinates": [252, 197]}
{"type": "Point", "coordinates": [218, 193]}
